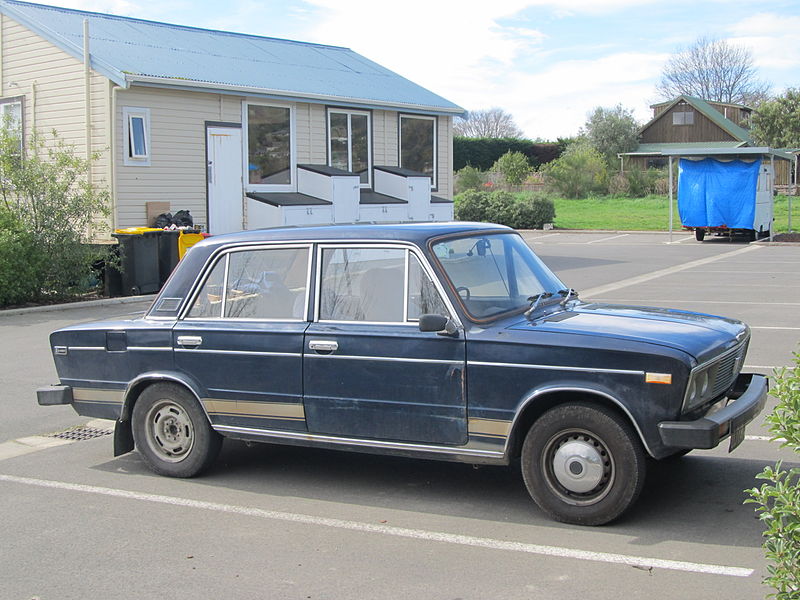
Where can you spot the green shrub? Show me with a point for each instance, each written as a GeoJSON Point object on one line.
{"type": "Point", "coordinates": [49, 211]}
{"type": "Point", "coordinates": [778, 500]}
{"type": "Point", "coordinates": [578, 173]}
{"type": "Point", "coordinates": [643, 183]}
{"type": "Point", "coordinates": [513, 166]}
{"type": "Point", "coordinates": [482, 153]}
{"type": "Point", "coordinates": [469, 178]}
{"type": "Point", "coordinates": [532, 212]}
{"type": "Point", "coordinates": [472, 205]}
{"type": "Point", "coordinates": [521, 211]}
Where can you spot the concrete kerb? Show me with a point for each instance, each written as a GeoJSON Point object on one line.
{"type": "Point", "coordinates": [84, 304]}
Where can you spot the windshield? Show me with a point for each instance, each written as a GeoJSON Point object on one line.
{"type": "Point", "coordinates": [494, 274]}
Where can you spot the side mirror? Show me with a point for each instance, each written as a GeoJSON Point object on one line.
{"type": "Point", "coordinates": [439, 324]}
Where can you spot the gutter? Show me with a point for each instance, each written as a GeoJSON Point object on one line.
{"type": "Point", "coordinates": [287, 94]}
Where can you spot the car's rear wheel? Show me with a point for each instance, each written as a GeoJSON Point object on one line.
{"type": "Point", "coordinates": [583, 464]}
{"type": "Point", "coordinates": [172, 433]}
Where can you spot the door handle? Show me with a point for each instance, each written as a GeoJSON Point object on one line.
{"type": "Point", "coordinates": [326, 346]}
{"type": "Point", "coordinates": [190, 340]}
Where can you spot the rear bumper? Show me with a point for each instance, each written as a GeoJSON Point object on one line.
{"type": "Point", "coordinates": [53, 395]}
{"type": "Point", "coordinates": [747, 400]}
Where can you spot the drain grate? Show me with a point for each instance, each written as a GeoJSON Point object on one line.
{"type": "Point", "coordinates": [77, 434]}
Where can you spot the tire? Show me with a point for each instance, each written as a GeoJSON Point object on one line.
{"type": "Point", "coordinates": [172, 433]}
{"type": "Point", "coordinates": [602, 464]}
{"type": "Point", "coordinates": [699, 234]}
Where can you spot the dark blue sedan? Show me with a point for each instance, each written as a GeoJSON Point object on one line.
{"type": "Point", "coordinates": [438, 340]}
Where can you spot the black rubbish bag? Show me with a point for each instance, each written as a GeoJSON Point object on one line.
{"type": "Point", "coordinates": [182, 218]}
{"type": "Point", "coordinates": [163, 220]}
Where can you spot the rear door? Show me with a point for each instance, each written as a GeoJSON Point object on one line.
{"type": "Point", "coordinates": [369, 372]}
{"type": "Point", "coordinates": [242, 338]}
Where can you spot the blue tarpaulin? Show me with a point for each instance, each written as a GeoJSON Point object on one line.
{"type": "Point", "coordinates": [712, 193]}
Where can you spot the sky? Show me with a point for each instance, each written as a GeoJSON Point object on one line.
{"type": "Point", "coordinates": [546, 62]}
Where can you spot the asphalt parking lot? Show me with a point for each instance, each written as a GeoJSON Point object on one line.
{"type": "Point", "coordinates": [284, 522]}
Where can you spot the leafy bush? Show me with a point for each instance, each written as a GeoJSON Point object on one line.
{"type": "Point", "coordinates": [513, 166]}
{"type": "Point", "coordinates": [642, 183]}
{"type": "Point", "coordinates": [49, 210]}
{"type": "Point", "coordinates": [778, 499]}
{"type": "Point", "coordinates": [523, 211]}
{"type": "Point", "coordinates": [472, 205]}
{"type": "Point", "coordinates": [578, 173]}
{"type": "Point", "coordinates": [469, 178]}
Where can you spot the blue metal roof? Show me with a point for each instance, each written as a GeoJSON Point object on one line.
{"type": "Point", "coordinates": [128, 50]}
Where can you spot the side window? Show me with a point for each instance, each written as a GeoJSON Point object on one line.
{"type": "Point", "coordinates": [136, 136]}
{"type": "Point", "coordinates": [261, 284]}
{"type": "Point", "coordinates": [423, 297]}
{"type": "Point", "coordinates": [363, 284]}
{"type": "Point", "coordinates": [267, 284]}
{"type": "Point", "coordinates": [208, 304]}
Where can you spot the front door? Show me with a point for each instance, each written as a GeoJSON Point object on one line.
{"type": "Point", "coordinates": [368, 371]}
{"type": "Point", "coordinates": [225, 199]}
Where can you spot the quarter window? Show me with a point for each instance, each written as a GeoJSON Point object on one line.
{"type": "Point", "coordinates": [270, 157]}
{"type": "Point", "coordinates": [349, 143]}
{"type": "Point", "coordinates": [418, 145]}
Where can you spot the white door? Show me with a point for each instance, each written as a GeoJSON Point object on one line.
{"type": "Point", "coordinates": [225, 198]}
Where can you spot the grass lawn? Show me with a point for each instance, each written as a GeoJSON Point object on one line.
{"type": "Point", "coordinates": [646, 214]}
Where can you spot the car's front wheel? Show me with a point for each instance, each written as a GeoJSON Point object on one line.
{"type": "Point", "coordinates": [583, 464]}
{"type": "Point", "coordinates": [171, 431]}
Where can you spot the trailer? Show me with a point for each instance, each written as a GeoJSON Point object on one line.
{"type": "Point", "coordinates": [726, 191]}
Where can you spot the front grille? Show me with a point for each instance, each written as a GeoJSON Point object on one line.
{"type": "Point", "coordinates": [726, 370]}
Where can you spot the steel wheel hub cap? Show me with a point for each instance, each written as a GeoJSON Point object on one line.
{"type": "Point", "coordinates": [170, 431]}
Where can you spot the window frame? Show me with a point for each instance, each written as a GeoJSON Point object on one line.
{"type": "Point", "coordinates": [224, 255]}
{"type": "Point", "coordinates": [20, 101]}
{"type": "Point", "coordinates": [435, 122]}
{"type": "Point", "coordinates": [350, 112]}
{"type": "Point", "coordinates": [409, 250]}
{"type": "Point", "coordinates": [269, 187]}
{"type": "Point", "coordinates": [683, 120]}
{"type": "Point", "coordinates": [129, 158]}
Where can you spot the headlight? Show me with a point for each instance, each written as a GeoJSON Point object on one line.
{"type": "Point", "coordinates": [697, 390]}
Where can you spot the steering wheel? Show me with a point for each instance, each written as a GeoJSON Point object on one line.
{"type": "Point", "coordinates": [463, 289]}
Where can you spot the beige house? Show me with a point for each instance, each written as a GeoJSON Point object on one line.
{"type": "Point", "coordinates": [242, 131]}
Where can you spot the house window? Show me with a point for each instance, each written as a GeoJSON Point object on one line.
{"type": "Point", "coordinates": [350, 143]}
{"type": "Point", "coordinates": [418, 145]}
{"type": "Point", "coordinates": [270, 148]}
{"type": "Point", "coordinates": [11, 118]}
{"type": "Point", "coordinates": [136, 136]}
{"type": "Point", "coordinates": [683, 118]}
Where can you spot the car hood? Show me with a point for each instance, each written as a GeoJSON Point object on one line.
{"type": "Point", "coordinates": [700, 335]}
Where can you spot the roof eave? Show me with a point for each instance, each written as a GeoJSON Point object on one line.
{"type": "Point", "coordinates": [285, 95]}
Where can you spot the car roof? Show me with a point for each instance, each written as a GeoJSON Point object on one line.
{"type": "Point", "coordinates": [410, 232]}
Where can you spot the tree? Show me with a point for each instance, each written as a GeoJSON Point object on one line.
{"type": "Point", "coordinates": [611, 131]}
{"type": "Point", "coordinates": [713, 70]}
{"type": "Point", "coordinates": [487, 123]}
{"type": "Point", "coordinates": [48, 210]}
{"type": "Point", "coordinates": [579, 172]}
{"type": "Point", "coordinates": [513, 166]}
{"type": "Point", "coordinates": [776, 123]}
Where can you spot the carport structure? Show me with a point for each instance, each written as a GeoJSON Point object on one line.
{"type": "Point", "coordinates": [725, 154]}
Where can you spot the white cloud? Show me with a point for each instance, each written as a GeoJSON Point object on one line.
{"type": "Point", "coordinates": [772, 38]}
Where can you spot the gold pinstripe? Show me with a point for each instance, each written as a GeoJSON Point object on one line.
{"type": "Point", "coordinates": [494, 428]}
{"type": "Point", "coordinates": [98, 395]}
{"type": "Point", "coordinates": [244, 408]}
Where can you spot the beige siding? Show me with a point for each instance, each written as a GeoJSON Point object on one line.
{"type": "Point", "coordinates": [52, 84]}
{"type": "Point", "coordinates": [177, 170]}
{"type": "Point", "coordinates": [444, 157]}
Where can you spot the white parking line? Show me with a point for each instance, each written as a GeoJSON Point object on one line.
{"type": "Point", "coordinates": [606, 239]}
{"type": "Point", "coordinates": [775, 328]}
{"type": "Point", "coordinates": [680, 241]}
{"type": "Point", "coordinates": [604, 289]}
{"type": "Point", "coordinates": [538, 237]}
{"type": "Point", "coordinates": [416, 534]}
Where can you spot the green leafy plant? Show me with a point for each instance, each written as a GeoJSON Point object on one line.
{"type": "Point", "coordinates": [472, 205]}
{"type": "Point", "coordinates": [579, 172]}
{"type": "Point", "coordinates": [520, 211]}
{"type": "Point", "coordinates": [778, 499]}
{"type": "Point", "coordinates": [514, 167]}
{"type": "Point", "coordinates": [49, 212]}
{"type": "Point", "coordinates": [469, 178]}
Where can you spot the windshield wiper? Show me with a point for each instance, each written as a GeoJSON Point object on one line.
{"type": "Point", "coordinates": [567, 293]}
{"type": "Point", "coordinates": [535, 299]}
